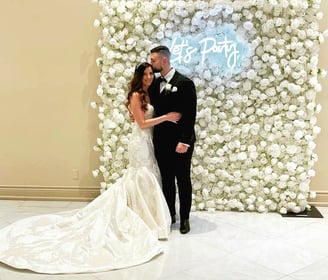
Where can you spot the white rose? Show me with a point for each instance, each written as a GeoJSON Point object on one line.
{"type": "Point", "coordinates": [93, 104]}
{"type": "Point", "coordinates": [95, 173]}
{"type": "Point", "coordinates": [283, 210]}
{"type": "Point", "coordinates": [168, 87]}
{"type": "Point", "coordinates": [96, 23]}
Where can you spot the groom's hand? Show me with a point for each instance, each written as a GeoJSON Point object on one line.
{"type": "Point", "coordinates": [181, 148]}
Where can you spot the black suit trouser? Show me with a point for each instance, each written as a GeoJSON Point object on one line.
{"type": "Point", "coordinates": [175, 170]}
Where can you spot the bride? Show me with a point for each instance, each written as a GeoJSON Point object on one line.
{"type": "Point", "coordinates": [120, 228]}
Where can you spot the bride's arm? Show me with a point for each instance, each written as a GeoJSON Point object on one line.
{"type": "Point", "coordinates": [139, 114]}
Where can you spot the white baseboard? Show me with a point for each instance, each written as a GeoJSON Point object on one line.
{"type": "Point", "coordinates": [87, 193]}
{"type": "Point", "coordinates": [33, 192]}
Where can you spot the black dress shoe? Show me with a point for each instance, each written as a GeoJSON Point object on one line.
{"type": "Point", "coordinates": [184, 226]}
{"type": "Point", "coordinates": [173, 220]}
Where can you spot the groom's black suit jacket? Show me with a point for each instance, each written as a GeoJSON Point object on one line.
{"type": "Point", "coordinates": [181, 98]}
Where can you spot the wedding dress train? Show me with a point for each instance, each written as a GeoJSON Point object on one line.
{"type": "Point", "coordinates": [120, 228]}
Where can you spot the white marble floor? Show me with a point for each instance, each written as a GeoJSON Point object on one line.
{"type": "Point", "coordinates": [221, 245]}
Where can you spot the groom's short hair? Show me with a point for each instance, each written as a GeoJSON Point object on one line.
{"type": "Point", "coordinates": [163, 50]}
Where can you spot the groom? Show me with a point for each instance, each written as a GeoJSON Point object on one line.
{"type": "Point", "coordinates": [174, 143]}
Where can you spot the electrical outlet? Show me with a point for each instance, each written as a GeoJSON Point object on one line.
{"type": "Point", "coordinates": [75, 174]}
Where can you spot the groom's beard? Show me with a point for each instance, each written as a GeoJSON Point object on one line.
{"type": "Point", "coordinates": [157, 70]}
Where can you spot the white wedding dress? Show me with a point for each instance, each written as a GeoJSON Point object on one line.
{"type": "Point", "coordinates": [118, 229]}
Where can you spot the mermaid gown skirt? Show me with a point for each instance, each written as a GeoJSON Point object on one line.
{"type": "Point", "coordinates": [120, 228]}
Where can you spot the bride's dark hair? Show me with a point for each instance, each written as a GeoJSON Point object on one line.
{"type": "Point", "coordinates": [136, 85]}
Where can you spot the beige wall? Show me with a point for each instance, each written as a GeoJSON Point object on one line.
{"type": "Point", "coordinates": [48, 77]}
{"type": "Point", "coordinates": [320, 181]}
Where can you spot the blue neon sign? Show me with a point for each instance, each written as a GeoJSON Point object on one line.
{"type": "Point", "coordinates": [219, 47]}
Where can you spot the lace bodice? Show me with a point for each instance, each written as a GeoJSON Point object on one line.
{"type": "Point", "coordinates": [141, 144]}
{"type": "Point", "coordinates": [150, 112]}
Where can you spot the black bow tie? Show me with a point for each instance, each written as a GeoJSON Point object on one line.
{"type": "Point", "coordinates": [162, 79]}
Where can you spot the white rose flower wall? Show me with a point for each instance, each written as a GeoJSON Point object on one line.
{"type": "Point", "coordinates": [256, 125]}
